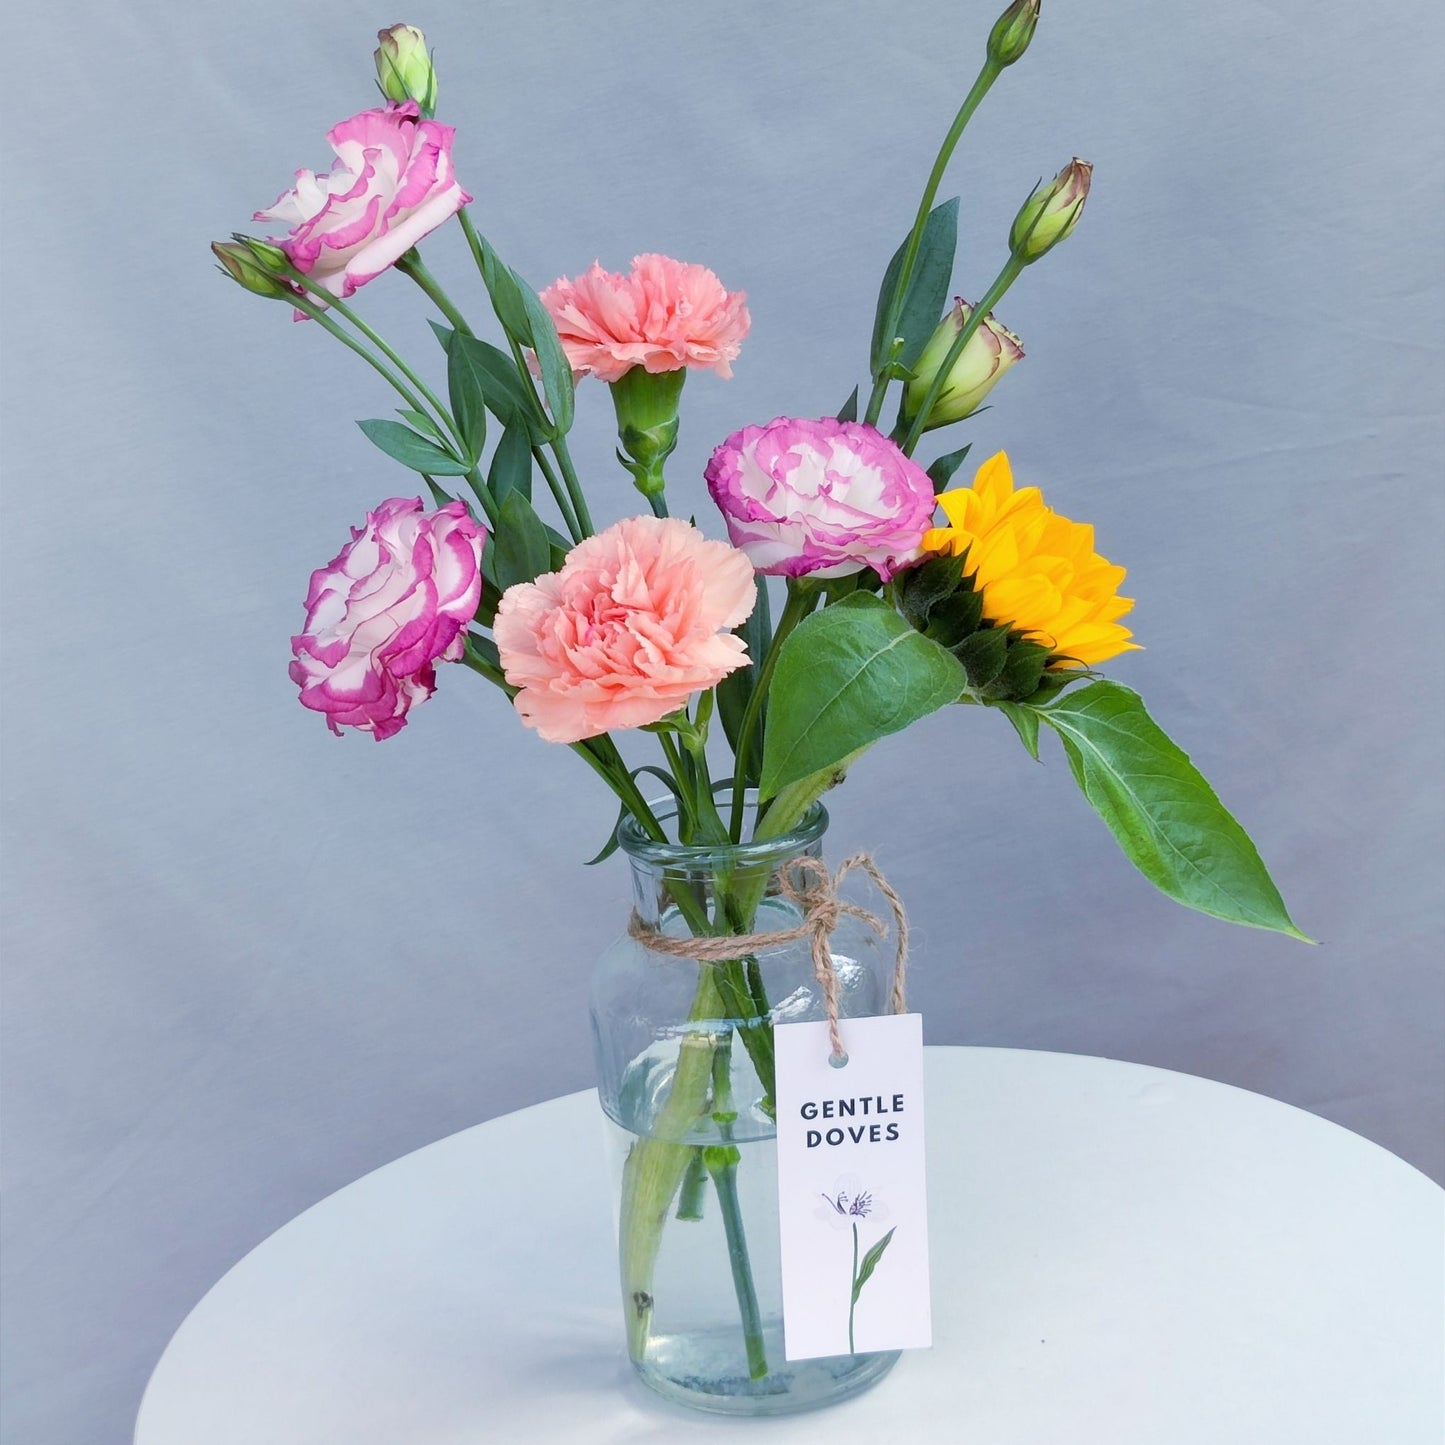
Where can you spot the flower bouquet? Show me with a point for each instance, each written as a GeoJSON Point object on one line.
{"type": "Point", "coordinates": [899, 592]}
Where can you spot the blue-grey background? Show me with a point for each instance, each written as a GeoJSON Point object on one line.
{"type": "Point", "coordinates": [245, 962]}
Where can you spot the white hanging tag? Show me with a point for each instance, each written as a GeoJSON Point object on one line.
{"type": "Point", "coordinates": [852, 1207]}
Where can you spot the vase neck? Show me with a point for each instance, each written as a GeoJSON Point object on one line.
{"type": "Point", "coordinates": [712, 887]}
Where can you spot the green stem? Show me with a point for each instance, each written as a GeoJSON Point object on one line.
{"type": "Point", "coordinates": [557, 443]}
{"type": "Point", "coordinates": [801, 600]}
{"type": "Point", "coordinates": [989, 73]}
{"type": "Point", "coordinates": [411, 265]}
{"type": "Point", "coordinates": [694, 1183]}
{"type": "Point", "coordinates": [696, 744]}
{"type": "Point", "coordinates": [722, 1164]}
{"type": "Point", "coordinates": [687, 807]}
{"type": "Point", "coordinates": [317, 314]}
{"type": "Point", "coordinates": [657, 1163]}
{"type": "Point", "coordinates": [559, 494]}
{"type": "Point", "coordinates": [853, 1290]}
{"type": "Point", "coordinates": [1005, 278]}
{"type": "Point", "coordinates": [483, 493]}
{"type": "Point", "coordinates": [574, 487]}
{"type": "Point", "coordinates": [392, 355]}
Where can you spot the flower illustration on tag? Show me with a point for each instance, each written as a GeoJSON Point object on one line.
{"type": "Point", "coordinates": [847, 1205]}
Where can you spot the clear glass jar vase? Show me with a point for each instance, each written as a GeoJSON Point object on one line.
{"type": "Point", "coordinates": [685, 1076]}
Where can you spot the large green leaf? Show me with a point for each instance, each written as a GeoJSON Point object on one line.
{"type": "Point", "coordinates": [411, 450]}
{"type": "Point", "coordinates": [1164, 814]}
{"type": "Point", "coordinates": [847, 676]}
{"type": "Point", "coordinates": [927, 293]}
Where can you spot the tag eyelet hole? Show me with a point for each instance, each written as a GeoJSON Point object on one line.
{"type": "Point", "coordinates": [838, 1061]}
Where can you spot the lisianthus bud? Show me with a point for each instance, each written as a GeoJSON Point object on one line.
{"type": "Point", "coordinates": [989, 352]}
{"type": "Point", "coordinates": [1051, 212]}
{"type": "Point", "coordinates": [404, 68]}
{"type": "Point", "coordinates": [243, 265]}
{"type": "Point", "coordinates": [1012, 32]}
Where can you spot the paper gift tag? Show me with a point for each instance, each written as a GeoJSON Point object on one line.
{"type": "Point", "coordinates": [852, 1208]}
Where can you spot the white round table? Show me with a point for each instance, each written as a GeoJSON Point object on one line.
{"type": "Point", "coordinates": [1121, 1255]}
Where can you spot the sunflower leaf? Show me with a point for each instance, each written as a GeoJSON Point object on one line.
{"type": "Point", "coordinates": [847, 676]}
{"type": "Point", "coordinates": [1163, 813]}
{"type": "Point", "coordinates": [1026, 725]}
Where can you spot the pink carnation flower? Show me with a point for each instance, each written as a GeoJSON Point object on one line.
{"type": "Point", "coordinates": [392, 183]}
{"type": "Point", "coordinates": [821, 498]}
{"type": "Point", "coordinates": [397, 598]}
{"type": "Point", "coordinates": [663, 316]}
{"type": "Point", "coordinates": [631, 627]}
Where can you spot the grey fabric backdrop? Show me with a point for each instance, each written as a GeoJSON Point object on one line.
{"type": "Point", "coordinates": [245, 962]}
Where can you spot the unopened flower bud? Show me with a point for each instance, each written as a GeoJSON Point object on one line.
{"type": "Point", "coordinates": [1012, 32]}
{"type": "Point", "coordinates": [241, 263]}
{"type": "Point", "coordinates": [404, 68]}
{"type": "Point", "coordinates": [646, 403]}
{"type": "Point", "coordinates": [1051, 212]}
{"type": "Point", "coordinates": [989, 352]}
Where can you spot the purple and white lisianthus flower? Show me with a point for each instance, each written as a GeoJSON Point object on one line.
{"type": "Point", "coordinates": [392, 183]}
{"type": "Point", "coordinates": [821, 498]}
{"type": "Point", "coordinates": [394, 601]}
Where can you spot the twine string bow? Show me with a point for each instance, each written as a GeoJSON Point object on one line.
{"type": "Point", "coordinates": [806, 883]}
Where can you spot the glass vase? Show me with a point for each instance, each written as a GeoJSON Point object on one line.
{"type": "Point", "coordinates": [685, 1075]}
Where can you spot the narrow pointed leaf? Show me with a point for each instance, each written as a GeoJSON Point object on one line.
{"type": "Point", "coordinates": [942, 470]}
{"type": "Point", "coordinates": [508, 396]}
{"type": "Point", "coordinates": [551, 359]}
{"type": "Point", "coordinates": [421, 421]}
{"type": "Point", "coordinates": [870, 1263]}
{"type": "Point", "coordinates": [927, 293]}
{"type": "Point", "coordinates": [522, 551]}
{"type": "Point", "coordinates": [736, 688]}
{"type": "Point", "coordinates": [1165, 816]}
{"type": "Point", "coordinates": [511, 469]}
{"type": "Point", "coordinates": [847, 676]}
{"type": "Point", "coordinates": [467, 391]}
{"type": "Point", "coordinates": [849, 410]}
{"type": "Point", "coordinates": [1026, 725]}
{"type": "Point", "coordinates": [412, 450]}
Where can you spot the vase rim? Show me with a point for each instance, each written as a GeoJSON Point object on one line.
{"type": "Point", "coordinates": [638, 845]}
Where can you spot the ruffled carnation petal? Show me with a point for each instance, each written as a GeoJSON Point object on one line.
{"type": "Point", "coordinates": [627, 631]}
{"type": "Point", "coordinates": [663, 316]}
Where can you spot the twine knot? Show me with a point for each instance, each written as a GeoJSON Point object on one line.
{"type": "Point", "coordinates": [806, 883]}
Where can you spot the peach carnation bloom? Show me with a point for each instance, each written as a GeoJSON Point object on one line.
{"type": "Point", "coordinates": [663, 316]}
{"type": "Point", "coordinates": [631, 627]}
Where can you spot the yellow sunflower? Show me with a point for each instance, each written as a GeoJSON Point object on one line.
{"type": "Point", "coordinates": [1038, 572]}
